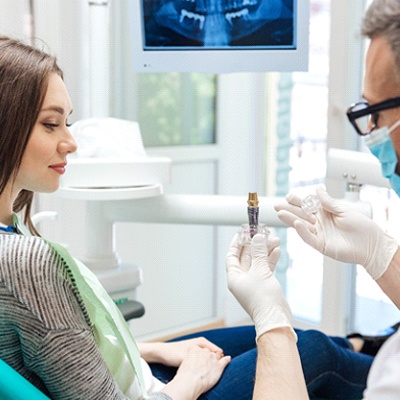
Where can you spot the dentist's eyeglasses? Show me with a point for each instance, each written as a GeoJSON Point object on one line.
{"type": "Point", "coordinates": [364, 117]}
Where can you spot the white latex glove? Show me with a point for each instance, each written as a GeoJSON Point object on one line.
{"type": "Point", "coordinates": [255, 286]}
{"type": "Point", "coordinates": [341, 232]}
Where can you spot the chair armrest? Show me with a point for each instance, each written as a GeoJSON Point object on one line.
{"type": "Point", "coordinates": [131, 309]}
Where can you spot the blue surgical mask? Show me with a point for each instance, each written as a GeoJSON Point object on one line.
{"type": "Point", "coordinates": [381, 146]}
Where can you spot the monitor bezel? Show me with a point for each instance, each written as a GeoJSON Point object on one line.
{"type": "Point", "coordinates": [222, 60]}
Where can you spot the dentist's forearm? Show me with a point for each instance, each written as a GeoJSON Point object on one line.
{"type": "Point", "coordinates": [279, 374]}
{"type": "Point", "coordinates": [389, 282]}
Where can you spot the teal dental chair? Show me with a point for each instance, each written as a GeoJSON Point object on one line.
{"type": "Point", "coordinates": [14, 386]}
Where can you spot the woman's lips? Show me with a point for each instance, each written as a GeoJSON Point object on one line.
{"type": "Point", "coordinates": [59, 168]}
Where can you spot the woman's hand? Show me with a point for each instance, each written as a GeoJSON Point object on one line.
{"type": "Point", "coordinates": [199, 371]}
{"type": "Point", "coordinates": [173, 353]}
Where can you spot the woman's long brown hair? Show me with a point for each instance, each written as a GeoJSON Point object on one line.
{"type": "Point", "coordinates": [24, 77]}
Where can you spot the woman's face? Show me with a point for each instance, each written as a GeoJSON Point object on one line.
{"type": "Point", "coordinates": [45, 156]}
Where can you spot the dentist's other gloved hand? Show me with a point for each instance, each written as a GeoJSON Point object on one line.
{"type": "Point", "coordinates": [254, 284]}
{"type": "Point", "coordinates": [341, 232]}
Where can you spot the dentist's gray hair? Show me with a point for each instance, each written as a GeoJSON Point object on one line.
{"type": "Point", "coordinates": [383, 18]}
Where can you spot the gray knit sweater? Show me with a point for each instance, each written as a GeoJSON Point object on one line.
{"type": "Point", "coordinates": [45, 332]}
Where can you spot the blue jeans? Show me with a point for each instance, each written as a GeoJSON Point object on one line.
{"type": "Point", "coordinates": [331, 369]}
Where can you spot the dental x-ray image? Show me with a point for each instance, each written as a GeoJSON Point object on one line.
{"type": "Point", "coordinates": [219, 24]}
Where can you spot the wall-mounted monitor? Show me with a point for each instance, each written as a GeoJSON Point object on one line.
{"type": "Point", "coordinates": [220, 36]}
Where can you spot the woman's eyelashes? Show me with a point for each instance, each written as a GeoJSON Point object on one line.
{"type": "Point", "coordinates": [50, 125]}
{"type": "Point", "coordinates": [53, 125]}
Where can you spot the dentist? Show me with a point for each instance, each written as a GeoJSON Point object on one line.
{"type": "Point", "coordinates": [337, 231]}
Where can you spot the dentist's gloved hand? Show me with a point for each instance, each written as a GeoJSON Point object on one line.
{"type": "Point", "coordinates": [341, 232]}
{"type": "Point", "coordinates": [254, 284]}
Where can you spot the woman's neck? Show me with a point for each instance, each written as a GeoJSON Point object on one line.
{"type": "Point", "coordinates": [6, 219]}
{"type": "Point", "coordinates": [6, 207]}
{"type": "Point", "coordinates": [6, 215]}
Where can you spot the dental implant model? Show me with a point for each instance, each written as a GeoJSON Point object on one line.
{"type": "Point", "coordinates": [253, 227]}
{"type": "Point", "coordinates": [252, 213]}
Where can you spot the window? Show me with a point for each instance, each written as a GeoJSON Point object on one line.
{"type": "Point", "coordinates": [177, 109]}
{"type": "Point", "coordinates": [302, 141]}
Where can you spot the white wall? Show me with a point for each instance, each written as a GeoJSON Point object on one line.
{"type": "Point", "coordinates": [64, 27]}
{"type": "Point", "coordinates": [14, 18]}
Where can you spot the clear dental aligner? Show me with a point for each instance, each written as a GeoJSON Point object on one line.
{"type": "Point", "coordinates": [310, 204]}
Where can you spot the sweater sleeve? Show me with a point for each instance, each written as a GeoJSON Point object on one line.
{"type": "Point", "coordinates": [72, 368]}
{"type": "Point", "coordinates": [56, 342]}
